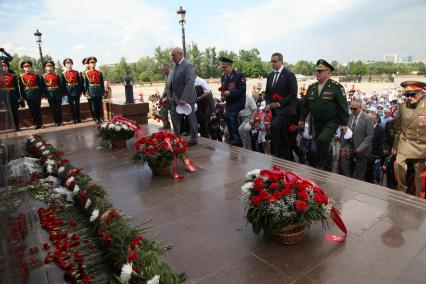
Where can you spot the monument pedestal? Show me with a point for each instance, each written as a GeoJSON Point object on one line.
{"type": "Point", "coordinates": [134, 111]}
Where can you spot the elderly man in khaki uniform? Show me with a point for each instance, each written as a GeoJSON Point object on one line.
{"type": "Point", "coordinates": [410, 137]}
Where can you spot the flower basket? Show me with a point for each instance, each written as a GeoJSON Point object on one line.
{"type": "Point", "coordinates": [159, 149]}
{"type": "Point", "coordinates": [283, 204]}
{"type": "Point", "coordinates": [290, 234]}
{"type": "Point", "coordinates": [114, 134]}
{"type": "Point", "coordinates": [160, 170]}
{"type": "Point", "coordinates": [118, 144]}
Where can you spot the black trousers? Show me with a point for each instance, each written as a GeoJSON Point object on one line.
{"type": "Point", "coordinates": [14, 105]}
{"type": "Point", "coordinates": [280, 146]}
{"type": "Point", "coordinates": [97, 108]}
{"type": "Point", "coordinates": [203, 118]}
{"type": "Point", "coordinates": [92, 113]}
{"type": "Point", "coordinates": [74, 103]}
{"type": "Point", "coordinates": [55, 104]}
{"type": "Point", "coordinates": [35, 109]}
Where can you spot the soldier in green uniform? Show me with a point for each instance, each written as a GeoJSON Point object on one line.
{"type": "Point", "coordinates": [10, 86]}
{"type": "Point", "coordinates": [85, 62]}
{"type": "Point", "coordinates": [410, 135]}
{"type": "Point", "coordinates": [54, 90]}
{"type": "Point", "coordinates": [94, 86]}
{"type": "Point", "coordinates": [326, 101]}
{"type": "Point", "coordinates": [31, 88]}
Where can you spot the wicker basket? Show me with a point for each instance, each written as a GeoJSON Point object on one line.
{"type": "Point", "coordinates": [290, 234]}
{"type": "Point", "coordinates": [160, 171]}
{"type": "Point", "coordinates": [118, 144]}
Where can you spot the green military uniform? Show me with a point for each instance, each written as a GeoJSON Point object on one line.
{"type": "Point", "coordinates": [11, 89]}
{"type": "Point", "coordinates": [31, 88]}
{"type": "Point", "coordinates": [329, 108]}
{"type": "Point", "coordinates": [410, 136]}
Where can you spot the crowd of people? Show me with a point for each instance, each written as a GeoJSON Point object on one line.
{"type": "Point", "coordinates": [29, 88]}
{"type": "Point", "coordinates": [378, 138]}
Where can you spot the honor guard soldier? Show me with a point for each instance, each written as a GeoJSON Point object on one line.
{"type": "Point", "coordinates": [410, 135]}
{"type": "Point", "coordinates": [74, 89]}
{"type": "Point", "coordinates": [94, 85]}
{"type": "Point", "coordinates": [12, 90]}
{"type": "Point", "coordinates": [54, 90]}
{"type": "Point", "coordinates": [31, 88]}
{"type": "Point", "coordinates": [85, 63]}
{"type": "Point", "coordinates": [234, 92]}
{"type": "Point", "coordinates": [326, 101]}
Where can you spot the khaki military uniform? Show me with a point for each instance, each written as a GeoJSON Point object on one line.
{"type": "Point", "coordinates": [329, 108]}
{"type": "Point", "coordinates": [410, 143]}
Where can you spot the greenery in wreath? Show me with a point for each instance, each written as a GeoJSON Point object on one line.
{"type": "Point", "coordinates": [109, 131]}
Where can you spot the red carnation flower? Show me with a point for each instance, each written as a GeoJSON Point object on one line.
{"type": "Point", "coordinates": [255, 200]}
{"type": "Point", "coordinates": [277, 195]}
{"type": "Point", "coordinates": [75, 237]}
{"type": "Point", "coordinates": [303, 195]}
{"type": "Point", "coordinates": [46, 246]}
{"type": "Point", "coordinates": [301, 186]}
{"type": "Point", "coordinates": [301, 206]}
{"type": "Point", "coordinates": [132, 256]}
{"type": "Point", "coordinates": [274, 185]}
{"type": "Point", "coordinates": [258, 184]}
{"type": "Point", "coordinates": [264, 195]}
{"type": "Point", "coordinates": [277, 97]}
{"type": "Point", "coordinates": [221, 89]}
{"type": "Point", "coordinates": [292, 128]}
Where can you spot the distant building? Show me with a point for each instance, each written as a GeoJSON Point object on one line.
{"type": "Point", "coordinates": [406, 58]}
{"type": "Point", "coordinates": [392, 58]}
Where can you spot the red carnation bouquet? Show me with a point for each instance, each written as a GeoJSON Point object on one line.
{"type": "Point", "coordinates": [275, 198]}
{"type": "Point", "coordinates": [159, 149]}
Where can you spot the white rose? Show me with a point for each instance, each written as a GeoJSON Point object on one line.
{"type": "Point", "coordinates": [50, 162]}
{"type": "Point", "coordinates": [94, 216]}
{"type": "Point", "coordinates": [245, 189]}
{"type": "Point", "coordinates": [61, 169]}
{"type": "Point", "coordinates": [253, 173]}
{"type": "Point", "coordinates": [154, 280]}
{"type": "Point", "coordinates": [126, 272]}
{"type": "Point", "coordinates": [49, 169]}
{"type": "Point", "coordinates": [69, 181]}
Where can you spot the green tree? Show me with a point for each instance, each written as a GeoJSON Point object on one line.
{"type": "Point", "coordinates": [196, 57]}
{"type": "Point", "coordinates": [304, 67]}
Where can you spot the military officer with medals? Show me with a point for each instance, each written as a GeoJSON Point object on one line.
{"type": "Point", "coordinates": [12, 91]}
{"type": "Point", "coordinates": [74, 89]}
{"type": "Point", "coordinates": [54, 90]}
{"type": "Point", "coordinates": [94, 87]}
{"type": "Point", "coordinates": [31, 88]}
{"type": "Point", "coordinates": [233, 90]}
{"type": "Point", "coordinates": [410, 135]}
{"type": "Point", "coordinates": [326, 101]}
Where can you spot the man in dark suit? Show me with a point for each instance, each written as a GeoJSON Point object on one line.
{"type": "Point", "coordinates": [280, 96]}
{"type": "Point", "coordinates": [377, 148]}
{"type": "Point", "coordinates": [183, 92]}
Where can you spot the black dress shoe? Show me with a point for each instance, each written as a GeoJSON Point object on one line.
{"type": "Point", "coordinates": [192, 143]}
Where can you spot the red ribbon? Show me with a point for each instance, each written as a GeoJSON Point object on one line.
{"type": "Point", "coordinates": [137, 130]}
{"type": "Point", "coordinates": [175, 173]}
{"type": "Point", "coordinates": [291, 179]}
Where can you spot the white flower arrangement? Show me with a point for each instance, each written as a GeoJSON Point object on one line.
{"type": "Point", "coordinates": [61, 169]}
{"type": "Point", "coordinates": [245, 189]}
{"type": "Point", "coordinates": [111, 125]}
{"type": "Point", "coordinates": [104, 125]}
{"type": "Point", "coordinates": [126, 272]}
{"type": "Point", "coordinates": [117, 127]}
{"type": "Point", "coordinates": [253, 173]}
{"type": "Point", "coordinates": [45, 153]}
{"type": "Point", "coordinates": [94, 216]}
{"type": "Point", "coordinates": [154, 280]}
{"type": "Point", "coordinates": [49, 168]}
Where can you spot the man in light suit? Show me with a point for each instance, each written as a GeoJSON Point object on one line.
{"type": "Point", "coordinates": [183, 92]}
{"type": "Point", "coordinates": [280, 95]}
{"type": "Point", "coordinates": [362, 128]}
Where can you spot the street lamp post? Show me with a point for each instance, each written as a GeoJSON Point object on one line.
{"type": "Point", "coordinates": [181, 12]}
{"type": "Point", "coordinates": [38, 37]}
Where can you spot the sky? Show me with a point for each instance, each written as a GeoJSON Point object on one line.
{"type": "Point", "coordinates": [341, 30]}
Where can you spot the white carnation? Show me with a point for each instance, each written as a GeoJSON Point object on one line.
{"type": "Point", "coordinates": [39, 144]}
{"type": "Point", "coordinates": [110, 126]}
{"type": "Point", "coordinates": [76, 190]}
{"type": "Point", "coordinates": [61, 169]}
{"type": "Point", "coordinates": [69, 181]}
{"type": "Point", "coordinates": [117, 128]}
{"type": "Point", "coordinates": [245, 189]}
{"type": "Point", "coordinates": [50, 162]}
{"type": "Point", "coordinates": [154, 280]}
{"type": "Point", "coordinates": [126, 272]}
{"type": "Point", "coordinates": [45, 153]}
{"type": "Point", "coordinates": [125, 127]}
{"type": "Point", "coordinates": [88, 202]}
{"type": "Point", "coordinates": [104, 125]}
{"type": "Point", "coordinates": [49, 169]}
{"type": "Point", "coordinates": [95, 214]}
{"type": "Point", "coordinates": [253, 173]}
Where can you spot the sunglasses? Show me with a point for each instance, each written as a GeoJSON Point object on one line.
{"type": "Point", "coordinates": [410, 94]}
{"type": "Point", "coordinates": [354, 108]}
